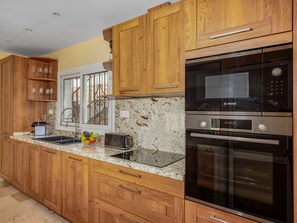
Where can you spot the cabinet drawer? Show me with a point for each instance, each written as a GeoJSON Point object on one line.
{"type": "Point", "coordinates": [198, 213]}
{"type": "Point", "coordinates": [106, 213]}
{"type": "Point", "coordinates": [150, 204]}
{"type": "Point", "coordinates": [167, 185]}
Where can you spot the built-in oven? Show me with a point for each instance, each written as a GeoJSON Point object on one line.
{"type": "Point", "coordinates": [241, 164]}
{"type": "Point", "coordinates": [252, 82]}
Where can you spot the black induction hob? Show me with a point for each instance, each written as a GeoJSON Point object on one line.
{"type": "Point", "coordinates": [150, 157]}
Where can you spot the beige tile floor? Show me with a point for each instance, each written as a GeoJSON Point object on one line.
{"type": "Point", "coordinates": [16, 207]}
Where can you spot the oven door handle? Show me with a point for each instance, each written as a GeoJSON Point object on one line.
{"type": "Point", "coordinates": [239, 139]}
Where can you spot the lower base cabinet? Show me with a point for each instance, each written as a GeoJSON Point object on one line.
{"type": "Point", "coordinates": [51, 165]}
{"type": "Point", "coordinates": [33, 187]}
{"type": "Point", "coordinates": [6, 156]}
{"type": "Point", "coordinates": [20, 161]}
{"type": "Point", "coordinates": [198, 213]}
{"type": "Point", "coordinates": [75, 188]}
{"type": "Point", "coordinates": [120, 196]}
{"type": "Point", "coordinates": [106, 213]}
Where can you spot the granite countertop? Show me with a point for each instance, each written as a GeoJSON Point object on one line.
{"type": "Point", "coordinates": [174, 171]}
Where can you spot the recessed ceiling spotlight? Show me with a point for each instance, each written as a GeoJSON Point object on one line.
{"type": "Point", "coordinates": [29, 30]}
{"type": "Point", "coordinates": [56, 14]}
{"type": "Point", "coordinates": [8, 41]}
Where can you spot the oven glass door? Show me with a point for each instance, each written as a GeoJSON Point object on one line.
{"type": "Point", "coordinates": [248, 177]}
{"type": "Point", "coordinates": [228, 83]}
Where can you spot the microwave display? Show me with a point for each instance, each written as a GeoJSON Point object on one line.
{"type": "Point", "coordinates": [227, 86]}
{"type": "Point", "coordinates": [231, 124]}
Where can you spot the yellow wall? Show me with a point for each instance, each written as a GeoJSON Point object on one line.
{"type": "Point", "coordinates": [4, 54]}
{"type": "Point", "coordinates": [84, 53]}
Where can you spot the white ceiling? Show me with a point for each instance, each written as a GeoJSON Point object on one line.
{"type": "Point", "coordinates": [80, 20]}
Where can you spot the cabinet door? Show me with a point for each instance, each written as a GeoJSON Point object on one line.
{"type": "Point", "coordinates": [51, 179]}
{"type": "Point", "coordinates": [106, 213]}
{"type": "Point", "coordinates": [215, 22]}
{"type": "Point", "coordinates": [197, 213]}
{"type": "Point", "coordinates": [34, 171]}
{"type": "Point", "coordinates": [6, 96]}
{"type": "Point", "coordinates": [6, 159]}
{"type": "Point", "coordinates": [129, 57]}
{"type": "Point", "coordinates": [165, 67]}
{"type": "Point", "coordinates": [75, 188]}
{"type": "Point", "coordinates": [20, 159]}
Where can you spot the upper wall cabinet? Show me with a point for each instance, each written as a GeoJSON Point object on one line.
{"type": "Point", "coordinates": [215, 22]}
{"type": "Point", "coordinates": [42, 79]}
{"type": "Point", "coordinates": [14, 107]}
{"type": "Point", "coordinates": [129, 57]}
{"type": "Point", "coordinates": [165, 62]}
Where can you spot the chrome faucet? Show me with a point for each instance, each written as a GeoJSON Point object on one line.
{"type": "Point", "coordinates": [75, 118]}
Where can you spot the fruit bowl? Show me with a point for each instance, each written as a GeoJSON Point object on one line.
{"type": "Point", "coordinates": [89, 139]}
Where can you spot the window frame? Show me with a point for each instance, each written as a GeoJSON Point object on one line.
{"type": "Point", "coordinates": [80, 72]}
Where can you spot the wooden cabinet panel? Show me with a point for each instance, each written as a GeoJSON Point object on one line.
{"type": "Point", "coordinates": [51, 179]}
{"type": "Point", "coordinates": [150, 204]}
{"type": "Point", "coordinates": [198, 213]}
{"type": "Point", "coordinates": [165, 67]}
{"type": "Point", "coordinates": [75, 188]}
{"type": "Point", "coordinates": [215, 22]}
{"type": "Point", "coordinates": [129, 57]}
{"type": "Point", "coordinates": [20, 159]}
{"type": "Point", "coordinates": [6, 159]}
{"type": "Point", "coordinates": [34, 171]}
{"type": "Point", "coordinates": [106, 213]}
{"type": "Point", "coordinates": [6, 96]}
{"type": "Point", "coordinates": [153, 181]}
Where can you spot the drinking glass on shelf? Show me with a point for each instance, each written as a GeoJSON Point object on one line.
{"type": "Point", "coordinates": [33, 92]}
{"type": "Point", "coordinates": [33, 71]}
{"type": "Point", "coordinates": [47, 93]}
{"type": "Point", "coordinates": [50, 72]}
{"type": "Point", "coordinates": [41, 92]}
{"type": "Point", "coordinates": [45, 72]}
{"type": "Point", "coordinates": [40, 73]}
{"type": "Point", "coordinates": [51, 92]}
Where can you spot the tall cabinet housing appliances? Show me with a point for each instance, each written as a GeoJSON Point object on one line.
{"type": "Point", "coordinates": [239, 133]}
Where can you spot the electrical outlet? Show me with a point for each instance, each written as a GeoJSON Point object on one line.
{"type": "Point", "coordinates": [124, 114]}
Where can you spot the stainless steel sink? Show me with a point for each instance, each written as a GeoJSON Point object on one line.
{"type": "Point", "coordinates": [59, 140]}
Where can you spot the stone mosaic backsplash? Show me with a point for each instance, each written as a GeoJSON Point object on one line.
{"type": "Point", "coordinates": [154, 123]}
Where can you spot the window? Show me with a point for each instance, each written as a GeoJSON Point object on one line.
{"type": "Point", "coordinates": [82, 99]}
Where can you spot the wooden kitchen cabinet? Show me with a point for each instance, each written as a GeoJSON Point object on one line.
{"type": "Point", "coordinates": [129, 57]}
{"type": "Point", "coordinates": [198, 213]}
{"type": "Point", "coordinates": [34, 171]}
{"type": "Point", "coordinates": [6, 159]}
{"type": "Point", "coordinates": [20, 160]}
{"type": "Point", "coordinates": [135, 193]}
{"type": "Point", "coordinates": [14, 107]}
{"type": "Point", "coordinates": [75, 188]}
{"type": "Point", "coordinates": [51, 165]}
{"type": "Point", "coordinates": [165, 50]}
{"type": "Point", "coordinates": [106, 213]}
{"type": "Point", "coordinates": [216, 22]}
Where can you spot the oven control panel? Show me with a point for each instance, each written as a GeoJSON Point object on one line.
{"type": "Point", "coordinates": [247, 124]}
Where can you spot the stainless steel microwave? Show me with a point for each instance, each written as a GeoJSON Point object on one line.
{"type": "Point", "coordinates": [252, 82]}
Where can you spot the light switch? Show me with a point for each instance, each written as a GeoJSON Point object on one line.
{"type": "Point", "coordinates": [124, 114]}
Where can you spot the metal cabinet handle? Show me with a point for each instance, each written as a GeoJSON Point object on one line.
{"type": "Point", "coordinates": [130, 174]}
{"type": "Point", "coordinates": [129, 189]}
{"type": "Point", "coordinates": [230, 33]}
{"type": "Point", "coordinates": [238, 139]}
{"type": "Point", "coordinates": [50, 152]}
{"type": "Point", "coordinates": [217, 219]}
{"type": "Point", "coordinates": [128, 89]}
{"type": "Point", "coordinates": [166, 87]}
{"type": "Point", "coordinates": [72, 158]}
